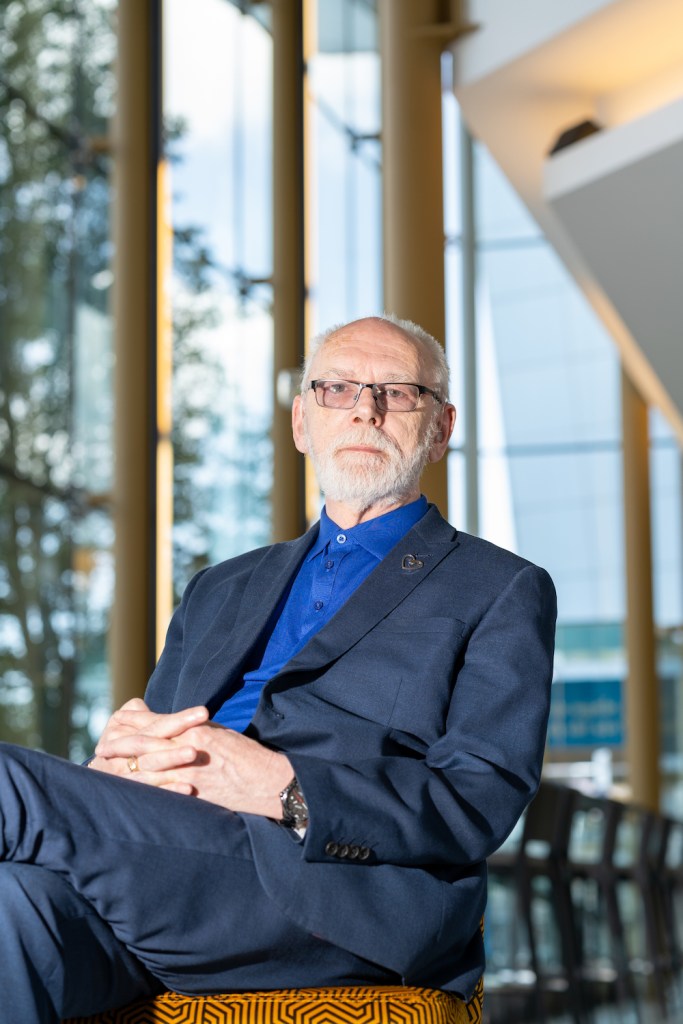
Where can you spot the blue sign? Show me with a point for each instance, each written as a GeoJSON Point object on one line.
{"type": "Point", "coordinates": [586, 713]}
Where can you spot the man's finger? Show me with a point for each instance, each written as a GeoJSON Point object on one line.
{"type": "Point", "coordinates": [161, 725]}
{"type": "Point", "coordinates": [134, 745]}
{"type": "Point", "coordinates": [177, 787]}
{"type": "Point", "coordinates": [134, 704]}
{"type": "Point", "coordinates": [165, 760]}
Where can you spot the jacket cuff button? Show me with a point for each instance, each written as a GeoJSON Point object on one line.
{"type": "Point", "coordinates": [331, 849]}
{"type": "Point", "coordinates": [364, 853]}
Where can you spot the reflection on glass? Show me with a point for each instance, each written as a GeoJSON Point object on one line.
{"type": "Point", "coordinates": [549, 450]}
{"type": "Point", "coordinates": [56, 95]}
{"type": "Point", "coordinates": [666, 489]}
{"type": "Point", "coordinates": [344, 162]}
{"type": "Point", "coordinates": [220, 156]}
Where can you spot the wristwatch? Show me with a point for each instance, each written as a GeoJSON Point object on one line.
{"type": "Point", "coordinates": [294, 806]}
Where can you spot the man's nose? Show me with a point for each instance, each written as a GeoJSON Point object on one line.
{"type": "Point", "coordinates": [365, 408]}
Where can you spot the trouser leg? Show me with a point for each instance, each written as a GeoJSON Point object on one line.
{"type": "Point", "coordinates": [173, 877]}
{"type": "Point", "coordinates": [57, 956]}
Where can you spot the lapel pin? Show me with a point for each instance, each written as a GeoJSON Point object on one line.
{"type": "Point", "coordinates": [409, 563]}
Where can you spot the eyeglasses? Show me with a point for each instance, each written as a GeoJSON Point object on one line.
{"type": "Point", "coordinates": [389, 397]}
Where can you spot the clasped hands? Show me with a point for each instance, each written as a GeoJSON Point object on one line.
{"type": "Point", "coordinates": [186, 753]}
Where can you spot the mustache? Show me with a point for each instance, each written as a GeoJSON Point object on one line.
{"type": "Point", "coordinates": [374, 439]}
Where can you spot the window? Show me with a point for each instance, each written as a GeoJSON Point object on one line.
{"type": "Point", "coordinates": [218, 126]}
{"type": "Point", "coordinates": [56, 97]}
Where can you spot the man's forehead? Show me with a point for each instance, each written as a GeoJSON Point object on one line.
{"type": "Point", "coordinates": [370, 339]}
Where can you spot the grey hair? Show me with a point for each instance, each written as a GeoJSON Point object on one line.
{"type": "Point", "coordinates": [418, 334]}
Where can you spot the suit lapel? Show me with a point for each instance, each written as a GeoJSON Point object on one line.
{"type": "Point", "coordinates": [258, 601]}
{"type": "Point", "coordinates": [428, 542]}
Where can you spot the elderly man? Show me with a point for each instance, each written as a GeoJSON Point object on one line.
{"type": "Point", "coordinates": [338, 733]}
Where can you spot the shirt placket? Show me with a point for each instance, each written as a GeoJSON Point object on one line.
{"type": "Point", "coordinates": [327, 569]}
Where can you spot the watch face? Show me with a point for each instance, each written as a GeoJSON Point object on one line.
{"type": "Point", "coordinates": [295, 810]}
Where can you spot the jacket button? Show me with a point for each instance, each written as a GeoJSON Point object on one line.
{"type": "Point", "coordinates": [331, 849]}
{"type": "Point", "coordinates": [353, 852]}
{"type": "Point", "coordinates": [343, 851]}
{"type": "Point", "coordinates": [364, 853]}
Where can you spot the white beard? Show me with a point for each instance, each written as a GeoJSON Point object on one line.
{"type": "Point", "coordinates": [362, 480]}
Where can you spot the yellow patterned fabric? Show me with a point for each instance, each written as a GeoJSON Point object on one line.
{"type": "Point", "coordinates": [352, 1005]}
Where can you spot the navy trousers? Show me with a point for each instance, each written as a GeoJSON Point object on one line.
{"type": "Point", "coordinates": [111, 889]}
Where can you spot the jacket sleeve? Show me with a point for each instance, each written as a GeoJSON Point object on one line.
{"type": "Point", "coordinates": [456, 804]}
{"type": "Point", "coordinates": [162, 685]}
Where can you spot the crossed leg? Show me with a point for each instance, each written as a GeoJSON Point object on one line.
{"type": "Point", "coordinates": [162, 886]}
{"type": "Point", "coordinates": [57, 956]}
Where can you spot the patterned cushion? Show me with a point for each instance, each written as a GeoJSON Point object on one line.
{"type": "Point", "coordinates": [352, 1005]}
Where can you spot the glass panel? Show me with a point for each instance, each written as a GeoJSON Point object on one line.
{"type": "Point", "coordinates": [220, 156]}
{"type": "Point", "coordinates": [549, 373]}
{"type": "Point", "coordinates": [344, 162]}
{"type": "Point", "coordinates": [451, 154]}
{"type": "Point", "coordinates": [92, 581]}
{"type": "Point", "coordinates": [347, 25]}
{"type": "Point", "coordinates": [455, 339]}
{"type": "Point", "coordinates": [667, 517]}
{"type": "Point", "coordinates": [456, 488]}
{"type": "Point", "coordinates": [55, 593]}
{"type": "Point", "coordinates": [667, 528]}
{"type": "Point", "coordinates": [500, 214]}
{"type": "Point", "coordinates": [561, 510]}
{"type": "Point", "coordinates": [55, 368]}
{"type": "Point", "coordinates": [549, 434]}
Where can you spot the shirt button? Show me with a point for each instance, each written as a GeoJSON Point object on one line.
{"type": "Point", "coordinates": [318, 605]}
{"type": "Point", "coordinates": [341, 538]}
{"type": "Point", "coordinates": [329, 564]}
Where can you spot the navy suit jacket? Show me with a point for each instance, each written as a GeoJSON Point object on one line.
{"type": "Point", "coordinates": [415, 720]}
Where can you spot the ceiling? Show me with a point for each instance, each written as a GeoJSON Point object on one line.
{"type": "Point", "coordinates": [610, 204]}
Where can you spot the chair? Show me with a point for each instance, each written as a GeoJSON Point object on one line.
{"type": "Point", "coordinates": [536, 868]}
{"type": "Point", "coordinates": [593, 882]}
{"type": "Point", "coordinates": [670, 890]}
{"type": "Point", "coordinates": [640, 853]}
{"type": "Point", "coordinates": [333, 1005]}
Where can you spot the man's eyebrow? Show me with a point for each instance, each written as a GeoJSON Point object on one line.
{"type": "Point", "coordinates": [335, 373]}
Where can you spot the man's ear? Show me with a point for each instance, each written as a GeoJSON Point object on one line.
{"type": "Point", "coordinates": [443, 428]}
{"type": "Point", "coordinates": [298, 424]}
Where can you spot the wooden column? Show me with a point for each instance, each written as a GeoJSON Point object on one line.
{"type": "Point", "coordinates": [132, 642]}
{"type": "Point", "coordinates": [288, 518]}
{"type": "Point", "coordinates": [642, 688]}
{"type": "Point", "coordinates": [411, 42]}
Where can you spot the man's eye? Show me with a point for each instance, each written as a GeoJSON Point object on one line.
{"type": "Point", "coordinates": [397, 393]}
{"type": "Point", "coordinates": [337, 387]}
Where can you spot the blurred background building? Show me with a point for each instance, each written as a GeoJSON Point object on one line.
{"type": "Point", "coordinates": [190, 190]}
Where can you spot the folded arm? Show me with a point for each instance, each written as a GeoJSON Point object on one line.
{"type": "Point", "coordinates": [458, 802]}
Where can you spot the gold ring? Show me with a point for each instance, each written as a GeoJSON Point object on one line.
{"type": "Point", "coordinates": [133, 764]}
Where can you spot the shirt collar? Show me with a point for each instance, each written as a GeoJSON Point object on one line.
{"type": "Point", "coordinates": [378, 536]}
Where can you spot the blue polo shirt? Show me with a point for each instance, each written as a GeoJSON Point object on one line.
{"type": "Point", "coordinates": [336, 564]}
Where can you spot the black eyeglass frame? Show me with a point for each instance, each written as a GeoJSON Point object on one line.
{"type": "Point", "coordinates": [377, 395]}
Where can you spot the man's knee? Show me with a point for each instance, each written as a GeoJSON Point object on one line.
{"type": "Point", "coordinates": [27, 890]}
{"type": "Point", "coordinates": [52, 937]}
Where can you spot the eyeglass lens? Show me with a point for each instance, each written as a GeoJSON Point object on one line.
{"type": "Point", "coordinates": [343, 394]}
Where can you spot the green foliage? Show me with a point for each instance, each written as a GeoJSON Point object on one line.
{"type": "Point", "coordinates": [56, 91]}
{"type": "Point", "coordinates": [57, 94]}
